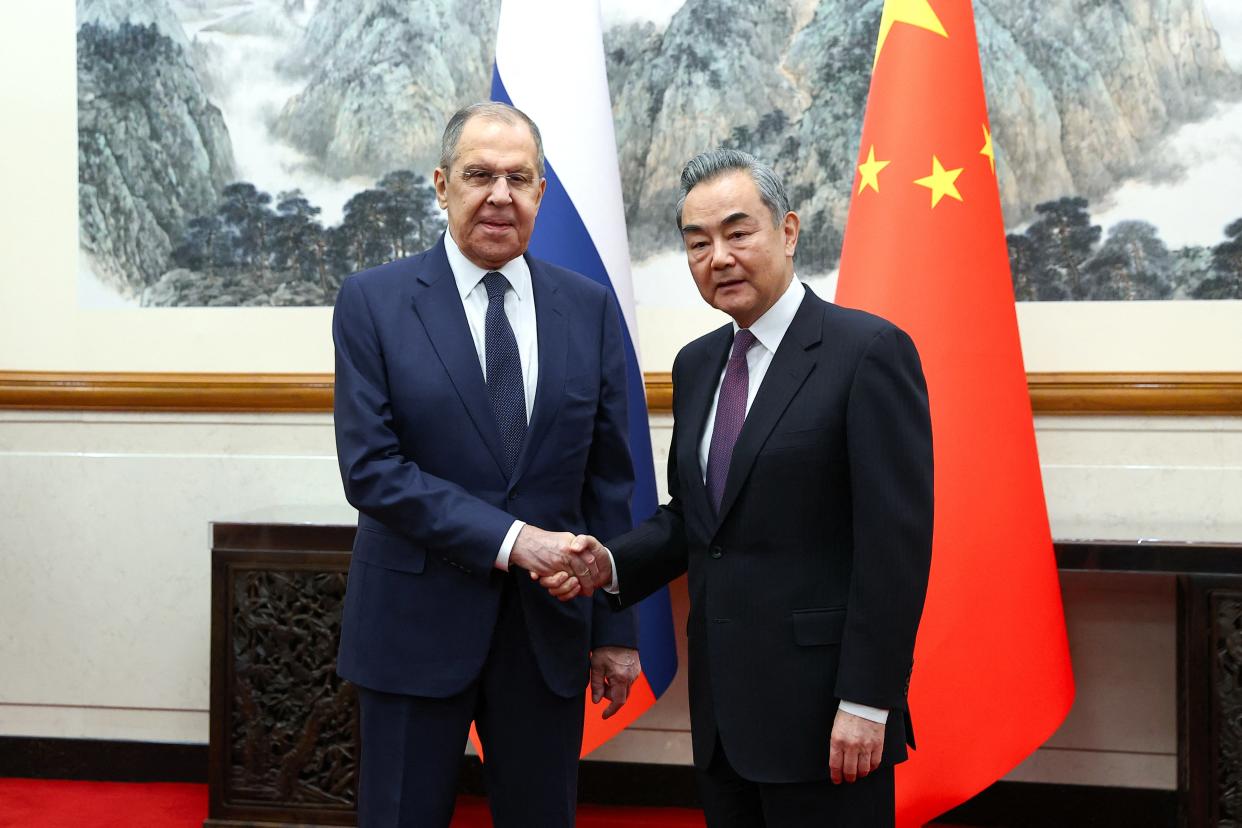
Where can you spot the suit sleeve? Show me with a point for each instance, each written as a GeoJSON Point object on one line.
{"type": "Point", "coordinates": [655, 552]}
{"type": "Point", "coordinates": [610, 474]}
{"type": "Point", "coordinates": [889, 443]}
{"type": "Point", "coordinates": [379, 480]}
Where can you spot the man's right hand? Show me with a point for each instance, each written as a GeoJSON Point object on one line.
{"type": "Point", "coordinates": [542, 553]}
{"type": "Point", "coordinates": [591, 569]}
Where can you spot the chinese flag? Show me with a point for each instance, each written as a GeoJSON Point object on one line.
{"type": "Point", "coordinates": [925, 248]}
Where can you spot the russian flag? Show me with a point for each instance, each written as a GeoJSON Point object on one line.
{"type": "Point", "coordinates": [550, 64]}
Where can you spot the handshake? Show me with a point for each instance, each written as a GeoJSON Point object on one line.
{"type": "Point", "coordinates": [566, 565]}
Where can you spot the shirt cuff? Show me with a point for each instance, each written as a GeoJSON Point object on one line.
{"type": "Point", "coordinates": [614, 587]}
{"type": "Point", "coordinates": [871, 714]}
{"type": "Point", "coordinates": [506, 545]}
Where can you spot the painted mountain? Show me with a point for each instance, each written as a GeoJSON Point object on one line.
{"type": "Point", "coordinates": [254, 153]}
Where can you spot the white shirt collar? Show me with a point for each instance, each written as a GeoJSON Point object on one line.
{"type": "Point", "coordinates": [770, 328]}
{"type": "Point", "coordinates": [467, 274]}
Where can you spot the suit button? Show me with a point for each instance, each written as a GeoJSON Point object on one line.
{"type": "Point", "coordinates": [716, 552]}
{"type": "Point", "coordinates": [513, 495]}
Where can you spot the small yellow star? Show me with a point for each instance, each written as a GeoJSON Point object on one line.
{"type": "Point", "coordinates": [915, 12]}
{"type": "Point", "coordinates": [870, 170]}
{"type": "Point", "coordinates": [940, 182]}
{"type": "Point", "coordinates": [987, 148]}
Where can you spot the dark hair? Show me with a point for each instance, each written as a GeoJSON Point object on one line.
{"type": "Point", "coordinates": [708, 165]}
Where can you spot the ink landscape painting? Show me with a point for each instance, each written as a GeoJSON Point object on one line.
{"type": "Point", "coordinates": [255, 152]}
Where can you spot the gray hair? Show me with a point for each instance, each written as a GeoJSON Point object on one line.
{"type": "Point", "coordinates": [485, 109]}
{"type": "Point", "coordinates": [711, 164]}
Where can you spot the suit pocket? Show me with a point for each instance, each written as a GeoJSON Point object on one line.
{"type": "Point", "coordinates": [790, 440]}
{"type": "Point", "coordinates": [818, 627]}
{"type": "Point", "coordinates": [388, 551]}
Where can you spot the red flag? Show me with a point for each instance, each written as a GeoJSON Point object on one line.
{"type": "Point", "coordinates": [925, 248]}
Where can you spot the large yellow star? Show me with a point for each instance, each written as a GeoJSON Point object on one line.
{"type": "Point", "coordinates": [870, 170]}
{"type": "Point", "coordinates": [940, 182]}
{"type": "Point", "coordinates": [915, 12]}
{"type": "Point", "coordinates": [987, 148]}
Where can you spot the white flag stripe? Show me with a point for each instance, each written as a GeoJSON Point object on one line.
{"type": "Point", "coordinates": [550, 56]}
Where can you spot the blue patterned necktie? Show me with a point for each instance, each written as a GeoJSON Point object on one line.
{"type": "Point", "coordinates": [730, 414]}
{"type": "Point", "coordinates": [504, 371]}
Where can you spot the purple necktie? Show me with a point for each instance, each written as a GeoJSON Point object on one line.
{"type": "Point", "coordinates": [730, 414]}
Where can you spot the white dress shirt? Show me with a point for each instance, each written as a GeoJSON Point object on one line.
{"type": "Point", "coordinates": [769, 330]}
{"type": "Point", "coordinates": [520, 309]}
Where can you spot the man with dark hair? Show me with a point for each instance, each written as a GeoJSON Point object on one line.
{"type": "Point", "coordinates": [480, 395]}
{"type": "Point", "coordinates": [800, 483]}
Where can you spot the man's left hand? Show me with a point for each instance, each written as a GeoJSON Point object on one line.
{"type": "Point", "coordinates": [856, 749]}
{"type": "Point", "coordinates": [613, 670]}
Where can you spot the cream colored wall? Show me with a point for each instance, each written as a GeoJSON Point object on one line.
{"type": "Point", "coordinates": [105, 574]}
{"type": "Point", "coordinates": [105, 582]}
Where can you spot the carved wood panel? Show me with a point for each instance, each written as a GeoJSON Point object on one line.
{"type": "Point", "coordinates": [293, 731]}
{"type": "Point", "coordinates": [1210, 700]}
{"type": "Point", "coordinates": [1226, 615]}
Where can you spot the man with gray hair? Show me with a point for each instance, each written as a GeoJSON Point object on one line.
{"type": "Point", "coordinates": [800, 483]}
{"type": "Point", "coordinates": [480, 395]}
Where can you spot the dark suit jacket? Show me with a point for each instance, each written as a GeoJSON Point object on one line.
{"type": "Point", "coordinates": [420, 458]}
{"type": "Point", "coordinates": [809, 585]}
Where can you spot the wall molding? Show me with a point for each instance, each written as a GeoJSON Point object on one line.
{"type": "Point", "coordinates": [1137, 394]}
{"type": "Point", "coordinates": [100, 391]}
{"type": "Point", "coordinates": [1189, 394]}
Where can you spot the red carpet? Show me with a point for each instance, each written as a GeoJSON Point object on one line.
{"type": "Point", "coordinates": [47, 803]}
{"type": "Point", "coordinates": [42, 803]}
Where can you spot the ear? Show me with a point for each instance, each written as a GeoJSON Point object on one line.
{"type": "Point", "coordinates": [440, 179]}
{"type": "Point", "coordinates": [543, 185]}
{"type": "Point", "coordinates": [790, 228]}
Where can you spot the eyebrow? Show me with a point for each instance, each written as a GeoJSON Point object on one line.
{"type": "Point", "coordinates": [732, 218]}
{"type": "Point", "coordinates": [521, 168]}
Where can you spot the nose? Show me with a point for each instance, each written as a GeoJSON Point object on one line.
{"type": "Point", "coordinates": [722, 256]}
{"type": "Point", "coordinates": [499, 194]}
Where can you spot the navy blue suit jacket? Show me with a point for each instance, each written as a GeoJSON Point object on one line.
{"type": "Point", "coordinates": [420, 459]}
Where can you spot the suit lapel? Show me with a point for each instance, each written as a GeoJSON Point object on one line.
{"type": "Point", "coordinates": [789, 369]}
{"type": "Point", "coordinates": [552, 327]}
{"type": "Point", "coordinates": [694, 404]}
{"type": "Point", "coordinates": [439, 307]}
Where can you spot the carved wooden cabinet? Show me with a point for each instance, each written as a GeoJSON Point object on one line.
{"type": "Point", "coordinates": [284, 726]}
